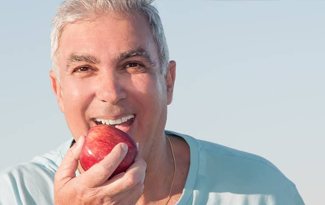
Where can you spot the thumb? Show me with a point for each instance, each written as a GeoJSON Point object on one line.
{"type": "Point", "coordinates": [69, 164]}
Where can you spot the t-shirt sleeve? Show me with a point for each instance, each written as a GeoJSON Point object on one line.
{"type": "Point", "coordinates": [9, 190]}
{"type": "Point", "coordinates": [29, 183]}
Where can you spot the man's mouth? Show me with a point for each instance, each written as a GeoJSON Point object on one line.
{"type": "Point", "coordinates": [125, 120]}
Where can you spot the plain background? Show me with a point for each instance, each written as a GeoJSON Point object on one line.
{"type": "Point", "coordinates": [250, 75]}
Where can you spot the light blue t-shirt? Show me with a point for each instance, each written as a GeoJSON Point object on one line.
{"type": "Point", "coordinates": [218, 176]}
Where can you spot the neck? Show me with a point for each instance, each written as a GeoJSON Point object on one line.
{"type": "Point", "coordinates": [160, 173]}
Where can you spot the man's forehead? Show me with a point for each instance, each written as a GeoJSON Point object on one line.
{"type": "Point", "coordinates": [70, 33]}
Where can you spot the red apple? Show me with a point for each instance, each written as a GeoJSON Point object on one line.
{"type": "Point", "coordinates": [100, 141]}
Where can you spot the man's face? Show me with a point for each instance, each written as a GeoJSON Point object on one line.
{"type": "Point", "coordinates": [109, 72]}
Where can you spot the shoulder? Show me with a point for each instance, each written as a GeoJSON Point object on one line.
{"type": "Point", "coordinates": [220, 157]}
{"type": "Point", "coordinates": [26, 182]}
{"type": "Point", "coordinates": [236, 162]}
{"type": "Point", "coordinates": [230, 162]}
{"type": "Point", "coordinates": [220, 169]}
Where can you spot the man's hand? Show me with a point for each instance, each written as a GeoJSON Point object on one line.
{"type": "Point", "coordinates": [93, 186]}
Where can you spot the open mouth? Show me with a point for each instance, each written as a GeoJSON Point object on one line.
{"type": "Point", "coordinates": [123, 121]}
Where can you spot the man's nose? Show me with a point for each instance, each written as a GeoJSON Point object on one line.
{"type": "Point", "coordinates": [111, 88]}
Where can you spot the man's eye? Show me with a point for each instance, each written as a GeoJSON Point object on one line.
{"type": "Point", "coordinates": [134, 67]}
{"type": "Point", "coordinates": [82, 69]}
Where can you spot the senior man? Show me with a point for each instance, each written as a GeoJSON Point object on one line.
{"type": "Point", "coordinates": [111, 66]}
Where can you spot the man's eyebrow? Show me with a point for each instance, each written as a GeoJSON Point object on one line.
{"type": "Point", "coordinates": [135, 52]}
{"type": "Point", "coordinates": [125, 55]}
{"type": "Point", "coordinates": [82, 58]}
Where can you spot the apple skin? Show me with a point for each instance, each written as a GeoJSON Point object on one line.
{"type": "Point", "coordinates": [100, 141]}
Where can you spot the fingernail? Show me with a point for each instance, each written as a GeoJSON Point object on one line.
{"type": "Point", "coordinates": [124, 147]}
{"type": "Point", "coordinates": [79, 141]}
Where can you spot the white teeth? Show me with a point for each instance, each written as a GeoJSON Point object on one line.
{"type": "Point", "coordinates": [115, 122]}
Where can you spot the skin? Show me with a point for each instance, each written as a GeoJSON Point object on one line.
{"type": "Point", "coordinates": [109, 68]}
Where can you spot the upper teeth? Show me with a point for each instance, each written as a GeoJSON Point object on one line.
{"type": "Point", "coordinates": [116, 121]}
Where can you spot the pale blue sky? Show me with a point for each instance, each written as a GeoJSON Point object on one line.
{"type": "Point", "coordinates": [250, 76]}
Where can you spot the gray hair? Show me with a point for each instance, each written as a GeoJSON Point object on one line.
{"type": "Point", "coordinates": [75, 10]}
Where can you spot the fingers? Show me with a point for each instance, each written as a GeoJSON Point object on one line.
{"type": "Point", "coordinates": [69, 164]}
{"type": "Point", "coordinates": [125, 188]}
{"type": "Point", "coordinates": [100, 172]}
{"type": "Point", "coordinates": [131, 196]}
{"type": "Point", "coordinates": [133, 177]}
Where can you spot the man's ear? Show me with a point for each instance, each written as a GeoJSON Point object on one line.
{"type": "Point", "coordinates": [56, 88]}
{"type": "Point", "coordinates": [170, 80]}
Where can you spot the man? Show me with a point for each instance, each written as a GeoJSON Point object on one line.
{"type": "Point", "coordinates": [111, 66]}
